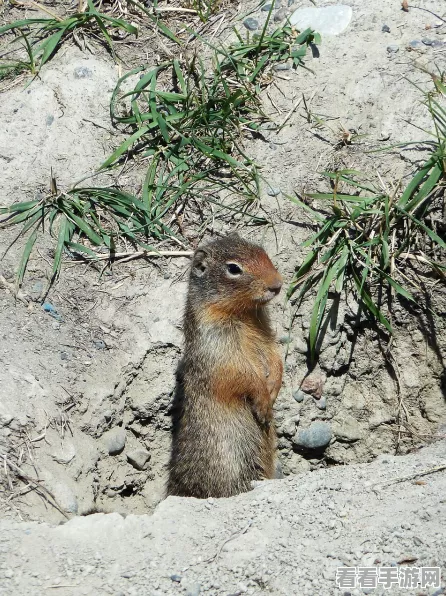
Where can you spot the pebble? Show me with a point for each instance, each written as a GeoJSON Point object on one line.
{"type": "Point", "coordinates": [99, 344]}
{"type": "Point", "coordinates": [273, 191]}
{"type": "Point", "coordinates": [49, 120]}
{"type": "Point", "coordinates": [385, 29]}
{"type": "Point", "coordinates": [321, 403]}
{"type": "Point", "coordinates": [327, 20]}
{"type": "Point", "coordinates": [393, 49]}
{"type": "Point", "coordinates": [316, 436]}
{"type": "Point", "coordinates": [82, 72]}
{"type": "Point", "coordinates": [299, 395]}
{"type": "Point", "coordinates": [280, 15]}
{"type": "Point", "coordinates": [138, 458]}
{"type": "Point", "coordinates": [175, 577]}
{"type": "Point", "coordinates": [251, 24]}
{"type": "Point", "coordinates": [415, 44]}
{"type": "Point", "coordinates": [348, 429]}
{"type": "Point", "coordinates": [266, 7]}
{"type": "Point", "coordinates": [116, 441]}
{"type": "Point", "coordinates": [282, 66]}
{"type": "Point", "coordinates": [427, 42]}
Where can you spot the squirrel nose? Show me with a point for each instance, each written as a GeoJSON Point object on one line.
{"type": "Point", "coordinates": [275, 286]}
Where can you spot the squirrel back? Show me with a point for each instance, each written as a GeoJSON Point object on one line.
{"type": "Point", "coordinates": [229, 377]}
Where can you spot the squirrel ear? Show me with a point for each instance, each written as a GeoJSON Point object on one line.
{"type": "Point", "coordinates": [199, 263]}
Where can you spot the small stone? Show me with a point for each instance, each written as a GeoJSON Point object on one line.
{"type": "Point", "coordinates": [427, 42]}
{"type": "Point", "coordinates": [266, 7]}
{"type": "Point", "coordinates": [321, 403]}
{"type": "Point", "coordinates": [347, 429]}
{"type": "Point", "coordinates": [64, 356]}
{"type": "Point", "coordinates": [99, 344]}
{"type": "Point", "coordinates": [282, 66]}
{"type": "Point", "coordinates": [115, 441]}
{"type": "Point", "coordinates": [82, 72]}
{"type": "Point", "coordinates": [273, 191]}
{"type": "Point", "coordinates": [415, 44]}
{"type": "Point", "coordinates": [49, 120]}
{"type": "Point", "coordinates": [284, 339]}
{"type": "Point", "coordinates": [251, 24]}
{"type": "Point", "coordinates": [290, 3]}
{"type": "Point", "coordinates": [393, 49]}
{"type": "Point", "coordinates": [313, 385]}
{"type": "Point", "coordinates": [327, 20]}
{"type": "Point", "coordinates": [316, 436]}
{"type": "Point", "coordinates": [437, 43]}
{"type": "Point", "coordinates": [299, 395]}
{"type": "Point", "coordinates": [139, 458]}
{"type": "Point", "coordinates": [279, 471]}
{"type": "Point", "coordinates": [175, 578]}
{"type": "Point", "coordinates": [280, 15]}
{"type": "Point", "coordinates": [385, 29]}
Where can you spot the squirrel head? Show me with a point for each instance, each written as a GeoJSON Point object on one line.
{"type": "Point", "coordinates": [234, 275]}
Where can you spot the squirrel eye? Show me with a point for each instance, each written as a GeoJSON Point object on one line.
{"type": "Point", "coordinates": [234, 269]}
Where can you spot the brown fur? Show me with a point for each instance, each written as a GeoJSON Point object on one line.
{"type": "Point", "coordinates": [230, 375]}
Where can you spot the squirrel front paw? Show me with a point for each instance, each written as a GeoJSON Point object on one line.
{"type": "Point", "coordinates": [263, 413]}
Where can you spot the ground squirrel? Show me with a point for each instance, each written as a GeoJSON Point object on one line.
{"type": "Point", "coordinates": [230, 375]}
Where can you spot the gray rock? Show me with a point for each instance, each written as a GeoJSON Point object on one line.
{"type": "Point", "coordinates": [415, 44]}
{"type": "Point", "coordinates": [273, 191]}
{"type": "Point", "coordinates": [385, 29]}
{"type": "Point", "coordinates": [115, 440]}
{"type": "Point", "coordinates": [65, 497]}
{"type": "Point", "coordinates": [427, 42]}
{"type": "Point", "coordinates": [139, 458]}
{"type": "Point", "coordinates": [328, 20]}
{"type": "Point", "coordinates": [299, 395]}
{"type": "Point", "coordinates": [99, 344]}
{"type": "Point", "coordinates": [266, 7]}
{"type": "Point", "coordinates": [282, 66]}
{"type": "Point", "coordinates": [321, 403]}
{"type": "Point", "coordinates": [347, 429]}
{"type": "Point", "coordinates": [280, 15]}
{"type": "Point", "coordinates": [49, 120]}
{"type": "Point", "coordinates": [279, 471]}
{"type": "Point", "coordinates": [175, 577]}
{"type": "Point", "coordinates": [251, 24]}
{"type": "Point", "coordinates": [82, 72]}
{"type": "Point", "coordinates": [316, 436]}
{"type": "Point", "coordinates": [393, 49]}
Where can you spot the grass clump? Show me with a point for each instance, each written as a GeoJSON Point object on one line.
{"type": "Point", "coordinates": [373, 241]}
{"type": "Point", "coordinates": [40, 38]}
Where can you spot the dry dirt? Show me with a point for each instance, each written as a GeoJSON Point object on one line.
{"type": "Point", "coordinates": [73, 388]}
